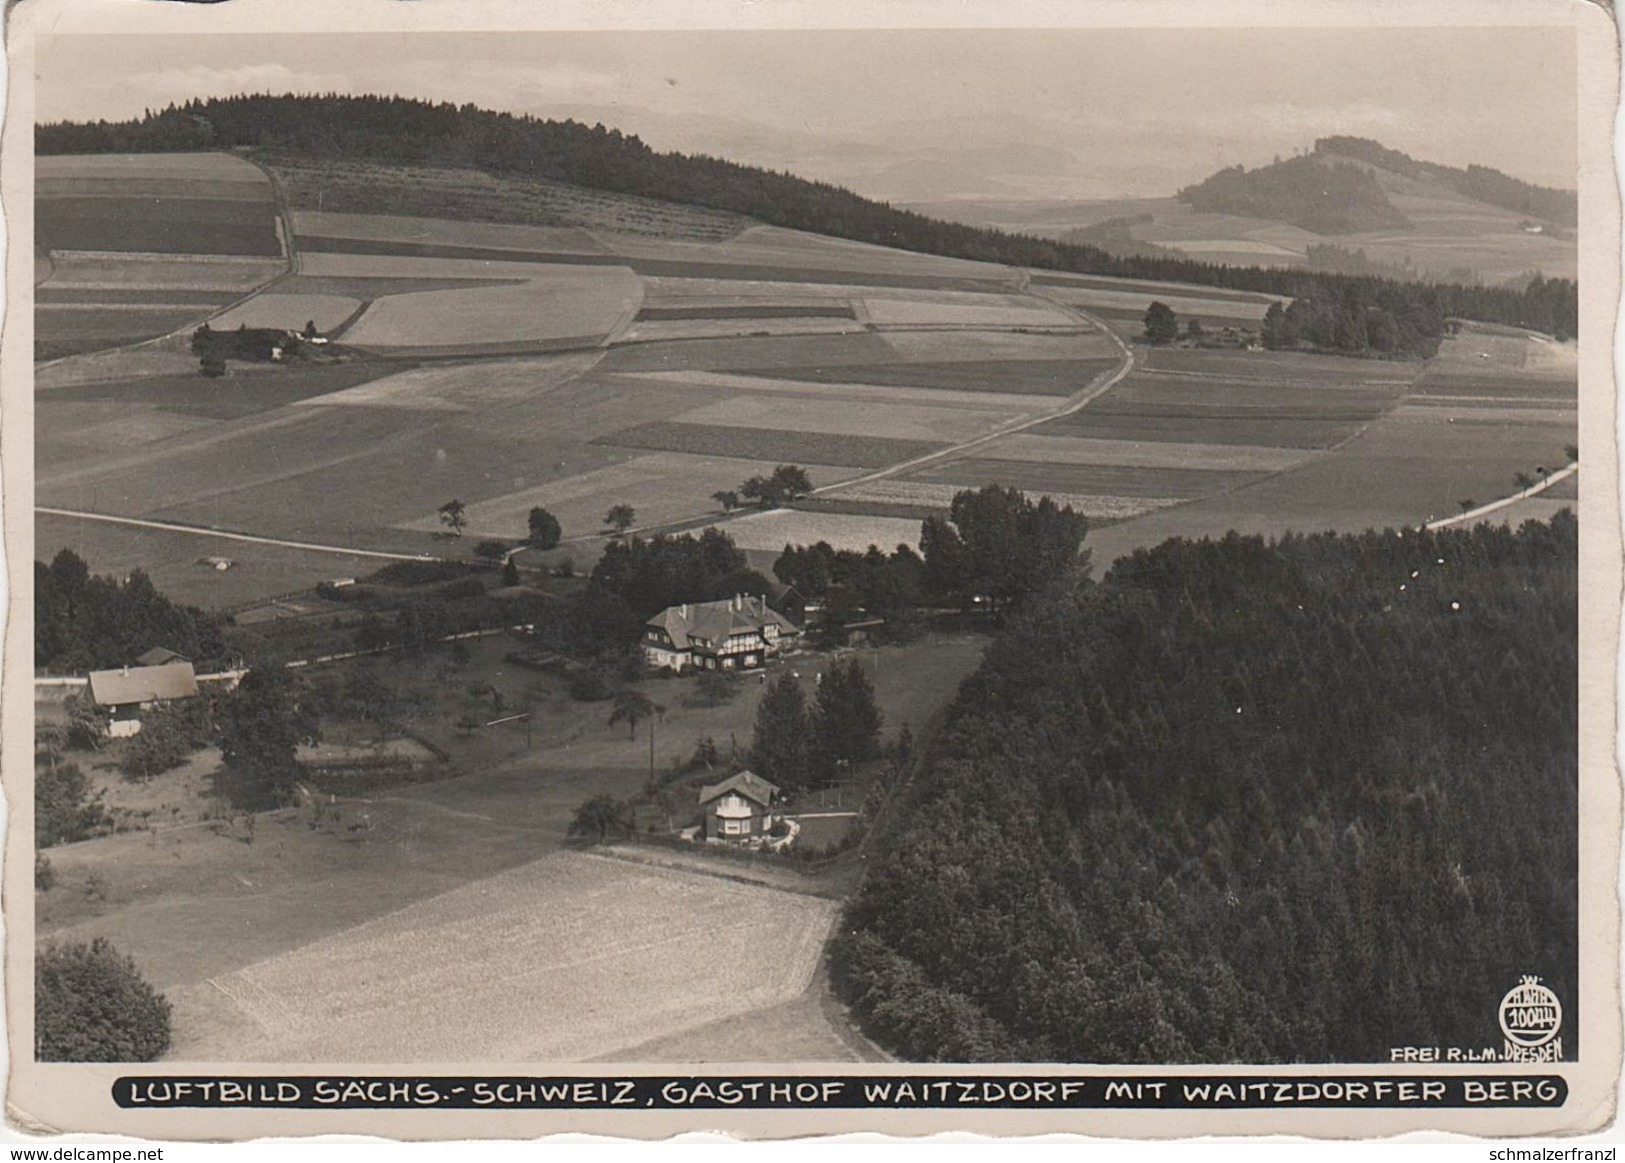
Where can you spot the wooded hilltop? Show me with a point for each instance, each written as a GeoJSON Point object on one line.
{"type": "Point", "coordinates": [1299, 801]}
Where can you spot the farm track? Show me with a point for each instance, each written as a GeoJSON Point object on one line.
{"type": "Point", "coordinates": [227, 535]}
{"type": "Point", "coordinates": [1068, 405]}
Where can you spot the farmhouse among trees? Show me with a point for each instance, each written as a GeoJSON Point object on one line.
{"type": "Point", "coordinates": [125, 693]}
{"type": "Point", "coordinates": [787, 483]}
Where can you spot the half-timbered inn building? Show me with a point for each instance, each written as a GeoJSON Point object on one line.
{"type": "Point", "coordinates": [734, 634]}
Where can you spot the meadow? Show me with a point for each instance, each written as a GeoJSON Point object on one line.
{"type": "Point", "coordinates": [310, 942]}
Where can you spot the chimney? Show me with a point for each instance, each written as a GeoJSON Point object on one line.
{"type": "Point", "coordinates": [684, 609]}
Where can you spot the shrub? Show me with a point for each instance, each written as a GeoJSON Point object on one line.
{"type": "Point", "coordinates": [91, 1004]}
{"type": "Point", "coordinates": [418, 573]}
{"type": "Point", "coordinates": [64, 809]}
{"type": "Point", "coordinates": [44, 873]}
{"type": "Point", "coordinates": [590, 686]}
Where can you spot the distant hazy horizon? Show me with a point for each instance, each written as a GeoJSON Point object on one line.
{"type": "Point", "coordinates": [921, 115]}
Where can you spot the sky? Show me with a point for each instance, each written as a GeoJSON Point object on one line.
{"type": "Point", "coordinates": [913, 115]}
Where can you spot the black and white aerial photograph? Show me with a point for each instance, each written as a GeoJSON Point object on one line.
{"type": "Point", "coordinates": [855, 548]}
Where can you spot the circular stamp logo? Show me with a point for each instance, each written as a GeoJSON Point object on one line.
{"type": "Point", "coordinates": [1530, 1013]}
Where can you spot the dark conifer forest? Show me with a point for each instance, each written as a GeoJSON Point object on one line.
{"type": "Point", "coordinates": [401, 130]}
{"type": "Point", "coordinates": [1243, 801]}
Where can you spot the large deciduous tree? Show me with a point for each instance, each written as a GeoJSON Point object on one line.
{"type": "Point", "coordinates": [545, 529]}
{"type": "Point", "coordinates": [261, 726]}
{"type": "Point", "coordinates": [454, 515]}
{"type": "Point", "coordinates": [1161, 324]}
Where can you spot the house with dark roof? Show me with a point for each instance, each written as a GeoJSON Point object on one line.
{"type": "Point", "coordinates": [159, 656]}
{"type": "Point", "coordinates": [124, 693]}
{"type": "Point", "coordinates": [739, 809]}
{"type": "Point", "coordinates": [737, 633]}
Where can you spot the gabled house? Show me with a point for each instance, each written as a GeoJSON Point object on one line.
{"type": "Point", "coordinates": [126, 692]}
{"type": "Point", "coordinates": [737, 633]}
{"type": "Point", "coordinates": [740, 808]}
{"type": "Point", "coordinates": [159, 656]}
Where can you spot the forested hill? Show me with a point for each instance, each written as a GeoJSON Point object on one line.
{"type": "Point", "coordinates": [395, 129]}
{"type": "Point", "coordinates": [1326, 198]}
{"type": "Point", "coordinates": [1247, 802]}
{"type": "Point", "coordinates": [1478, 182]}
{"type": "Point", "coordinates": [1331, 191]}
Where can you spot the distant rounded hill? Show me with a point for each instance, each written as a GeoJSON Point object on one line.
{"type": "Point", "coordinates": [1316, 193]}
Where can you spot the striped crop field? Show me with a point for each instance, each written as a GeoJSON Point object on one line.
{"type": "Point", "coordinates": [143, 228]}
{"type": "Point", "coordinates": [767, 444]}
{"type": "Point", "coordinates": [561, 302]}
{"type": "Point", "coordinates": [521, 966]}
{"type": "Point", "coordinates": [838, 418]}
{"type": "Point", "coordinates": [1030, 377]}
{"type": "Point", "coordinates": [289, 312]}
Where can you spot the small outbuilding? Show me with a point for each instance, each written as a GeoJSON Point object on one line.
{"type": "Point", "coordinates": [160, 656]}
{"type": "Point", "coordinates": [740, 808]}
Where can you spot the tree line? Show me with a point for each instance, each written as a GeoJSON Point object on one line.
{"type": "Point", "coordinates": [1298, 801]}
{"type": "Point", "coordinates": [97, 622]}
{"type": "Point", "coordinates": [405, 131]}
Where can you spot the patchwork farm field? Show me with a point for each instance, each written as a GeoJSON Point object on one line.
{"type": "Point", "coordinates": [907, 356]}
{"type": "Point", "coordinates": [142, 229]}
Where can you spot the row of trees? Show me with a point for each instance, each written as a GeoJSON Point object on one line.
{"type": "Point", "coordinates": [786, 483]}
{"type": "Point", "coordinates": [393, 129]}
{"type": "Point", "coordinates": [91, 622]}
{"type": "Point", "coordinates": [799, 746]}
{"type": "Point", "coordinates": [1244, 801]}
